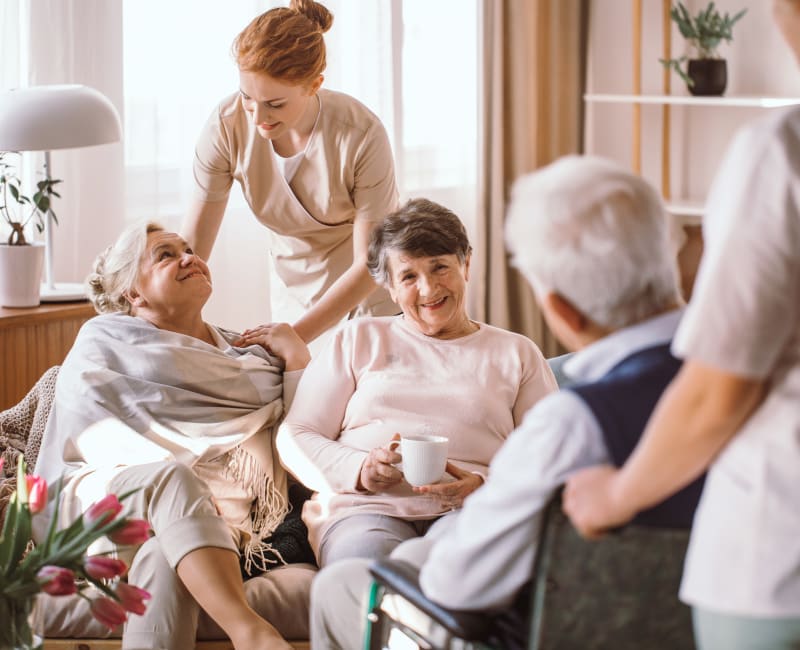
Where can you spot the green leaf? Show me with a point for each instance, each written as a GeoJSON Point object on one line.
{"type": "Point", "coordinates": [51, 529]}
{"type": "Point", "coordinates": [675, 65]}
{"type": "Point", "coordinates": [17, 527]}
{"type": "Point", "coordinates": [43, 203]}
{"type": "Point", "coordinates": [9, 534]}
{"type": "Point", "coordinates": [706, 30]}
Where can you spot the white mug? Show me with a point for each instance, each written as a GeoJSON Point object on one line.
{"type": "Point", "coordinates": [424, 458]}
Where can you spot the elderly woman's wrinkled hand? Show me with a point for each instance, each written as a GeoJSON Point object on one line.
{"type": "Point", "coordinates": [591, 504]}
{"type": "Point", "coordinates": [451, 495]}
{"type": "Point", "coordinates": [279, 339]}
{"type": "Point", "coordinates": [378, 471]}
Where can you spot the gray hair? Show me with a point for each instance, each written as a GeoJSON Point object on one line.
{"type": "Point", "coordinates": [420, 228]}
{"type": "Point", "coordinates": [116, 269]}
{"type": "Point", "coordinates": [596, 234]}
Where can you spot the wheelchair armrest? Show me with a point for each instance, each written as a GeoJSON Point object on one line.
{"type": "Point", "coordinates": [402, 578]}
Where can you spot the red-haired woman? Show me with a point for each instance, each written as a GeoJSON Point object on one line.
{"type": "Point", "coordinates": [315, 167]}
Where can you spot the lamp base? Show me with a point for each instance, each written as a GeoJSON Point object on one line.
{"type": "Point", "coordinates": [62, 292]}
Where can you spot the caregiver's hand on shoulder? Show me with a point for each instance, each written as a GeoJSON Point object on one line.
{"type": "Point", "coordinates": [451, 495]}
{"type": "Point", "coordinates": [378, 471]}
{"type": "Point", "coordinates": [281, 340]}
{"type": "Point", "coordinates": [593, 503]}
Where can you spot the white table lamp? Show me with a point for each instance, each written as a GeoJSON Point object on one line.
{"type": "Point", "coordinates": [43, 118]}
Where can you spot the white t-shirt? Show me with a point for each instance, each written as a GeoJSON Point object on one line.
{"type": "Point", "coordinates": [289, 165]}
{"type": "Point", "coordinates": [744, 318]}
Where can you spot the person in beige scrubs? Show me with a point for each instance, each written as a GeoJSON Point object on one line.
{"type": "Point", "coordinates": [315, 166]}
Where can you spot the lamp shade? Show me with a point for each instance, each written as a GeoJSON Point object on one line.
{"type": "Point", "coordinates": [41, 118]}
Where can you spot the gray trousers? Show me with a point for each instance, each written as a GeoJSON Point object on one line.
{"type": "Point", "coordinates": [369, 536]}
{"type": "Point", "coordinates": [340, 591]}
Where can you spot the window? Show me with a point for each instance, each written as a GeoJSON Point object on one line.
{"type": "Point", "coordinates": [412, 62]}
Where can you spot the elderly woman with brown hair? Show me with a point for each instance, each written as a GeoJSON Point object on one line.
{"type": "Point", "coordinates": [430, 370]}
{"type": "Point", "coordinates": [154, 400]}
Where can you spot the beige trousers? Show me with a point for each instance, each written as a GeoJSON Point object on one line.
{"type": "Point", "coordinates": [183, 517]}
{"type": "Point", "coordinates": [179, 508]}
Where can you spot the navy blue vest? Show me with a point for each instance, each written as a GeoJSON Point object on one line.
{"type": "Point", "coordinates": [622, 402]}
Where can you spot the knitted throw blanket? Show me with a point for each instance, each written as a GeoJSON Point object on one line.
{"type": "Point", "coordinates": [288, 543]}
{"type": "Point", "coordinates": [21, 430]}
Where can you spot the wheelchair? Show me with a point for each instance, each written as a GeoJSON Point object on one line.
{"type": "Point", "coordinates": [617, 593]}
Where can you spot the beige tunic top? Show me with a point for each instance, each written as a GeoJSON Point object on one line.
{"type": "Point", "coordinates": [347, 174]}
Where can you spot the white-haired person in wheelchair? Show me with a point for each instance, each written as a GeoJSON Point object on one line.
{"type": "Point", "coordinates": [591, 239]}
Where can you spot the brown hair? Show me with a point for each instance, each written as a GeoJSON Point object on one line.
{"type": "Point", "coordinates": [286, 42]}
{"type": "Point", "coordinates": [421, 228]}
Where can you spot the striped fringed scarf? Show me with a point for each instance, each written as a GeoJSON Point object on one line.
{"type": "Point", "coordinates": [270, 507]}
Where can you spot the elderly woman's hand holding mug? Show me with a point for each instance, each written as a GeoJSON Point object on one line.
{"type": "Point", "coordinates": [378, 471]}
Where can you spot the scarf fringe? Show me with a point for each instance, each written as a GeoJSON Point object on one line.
{"type": "Point", "coordinates": [254, 556]}
{"type": "Point", "coordinates": [270, 508]}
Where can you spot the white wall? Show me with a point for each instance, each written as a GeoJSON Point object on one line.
{"type": "Point", "coordinates": [759, 63]}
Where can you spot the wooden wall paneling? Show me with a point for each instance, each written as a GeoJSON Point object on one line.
{"type": "Point", "coordinates": [32, 340]}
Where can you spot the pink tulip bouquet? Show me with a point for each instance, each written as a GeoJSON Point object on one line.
{"type": "Point", "coordinates": [59, 565]}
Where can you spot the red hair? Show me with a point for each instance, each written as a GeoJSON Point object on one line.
{"type": "Point", "coordinates": [286, 42]}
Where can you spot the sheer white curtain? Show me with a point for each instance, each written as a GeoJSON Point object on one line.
{"type": "Point", "coordinates": [71, 41]}
{"type": "Point", "coordinates": [11, 67]}
{"type": "Point", "coordinates": [10, 38]}
{"type": "Point", "coordinates": [413, 62]}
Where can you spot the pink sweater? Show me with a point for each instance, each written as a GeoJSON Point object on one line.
{"type": "Point", "coordinates": [380, 376]}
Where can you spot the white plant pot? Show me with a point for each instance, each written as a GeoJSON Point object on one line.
{"type": "Point", "coordinates": [20, 274]}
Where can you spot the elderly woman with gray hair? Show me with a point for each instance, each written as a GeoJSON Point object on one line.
{"type": "Point", "coordinates": [154, 400]}
{"type": "Point", "coordinates": [430, 370]}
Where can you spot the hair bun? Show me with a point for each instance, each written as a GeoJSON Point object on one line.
{"type": "Point", "coordinates": [315, 12]}
{"type": "Point", "coordinates": [96, 288]}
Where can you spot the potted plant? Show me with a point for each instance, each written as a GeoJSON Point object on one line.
{"type": "Point", "coordinates": [707, 74]}
{"type": "Point", "coordinates": [21, 261]}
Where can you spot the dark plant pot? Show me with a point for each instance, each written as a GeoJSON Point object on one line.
{"type": "Point", "coordinates": [710, 76]}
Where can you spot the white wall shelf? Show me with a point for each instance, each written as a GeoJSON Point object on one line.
{"type": "Point", "coordinates": [690, 100]}
{"type": "Point", "coordinates": [689, 213]}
